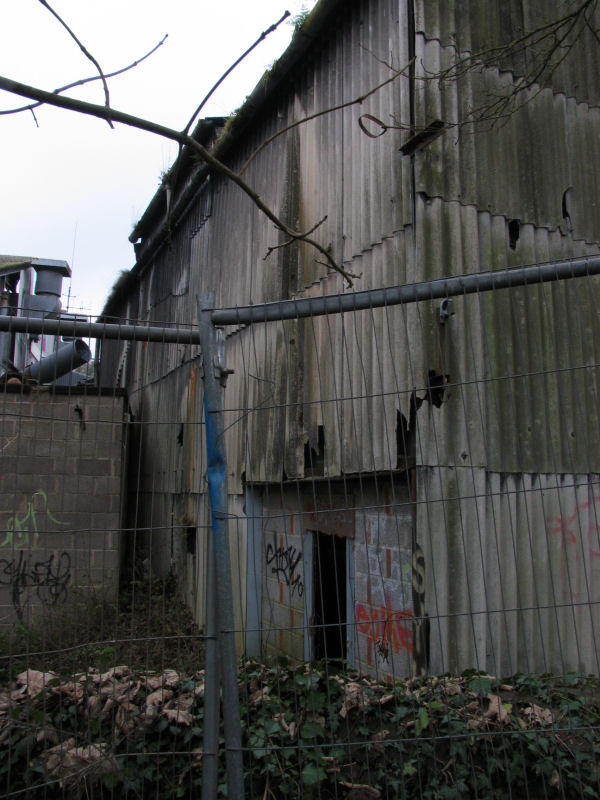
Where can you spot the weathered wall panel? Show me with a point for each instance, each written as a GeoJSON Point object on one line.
{"type": "Point", "coordinates": [478, 28]}
{"type": "Point", "coordinates": [531, 165]}
{"type": "Point", "coordinates": [522, 393]}
{"type": "Point", "coordinates": [512, 570]}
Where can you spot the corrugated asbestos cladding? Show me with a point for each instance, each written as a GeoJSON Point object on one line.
{"type": "Point", "coordinates": [506, 467]}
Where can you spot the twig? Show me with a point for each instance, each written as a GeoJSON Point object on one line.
{"type": "Point", "coordinates": [274, 247]}
{"type": "Point", "coordinates": [349, 276]}
{"type": "Point", "coordinates": [522, 44]}
{"type": "Point", "coordinates": [227, 72]}
{"type": "Point", "coordinates": [295, 238]}
{"type": "Point", "coordinates": [83, 81]}
{"type": "Point", "coordinates": [101, 112]}
{"type": "Point", "coordinates": [85, 52]}
{"type": "Point", "coordinates": [357, 100]}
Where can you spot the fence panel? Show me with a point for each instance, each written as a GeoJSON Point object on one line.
{"type": "Point", "coordinates": [413, 492]}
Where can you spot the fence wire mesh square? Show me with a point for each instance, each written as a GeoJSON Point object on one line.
{"type": "Point", "coordinates": [413, 494]}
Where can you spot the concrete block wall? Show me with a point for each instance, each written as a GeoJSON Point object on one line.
{"type": "Point", "coordinates": [61, 489]}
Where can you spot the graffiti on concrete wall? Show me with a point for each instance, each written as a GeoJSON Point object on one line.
{"type": "Point", "coordinates": [48, 579]}
{"type": "Point", "coordinates": [385, 628]}
{"type": "Point", "coordinates": [23, 528]}
{"type": "Point", "coordinates": [283, 562]}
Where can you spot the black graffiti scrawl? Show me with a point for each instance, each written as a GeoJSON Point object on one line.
{"type": "Point", "coordinates": [284, 561]}
{"type": "Point", "coordinates": [48, 579]}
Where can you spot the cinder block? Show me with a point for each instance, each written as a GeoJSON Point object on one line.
{"type": "Point", "coordinates": [20, 448]}
{"type": "Point", "coordinates": [105, 561]}
{"type": "Point", "coordinates": [55, 541]}
{"type": "Point", "coordinates": [70, 522]}
{"type": "Point", "coordinates": [81, 485]}
{"type": "Point", "coordinates": [38, 466]}
{"type": "Point", "coordinates": [9, 427]}
{"type": "Point", "coordinates": [360, 588]}
{"type": "Point", "coordinates": [361, 561]}
{"type": "Point", "coordinates": [105, 409]}
{"type": "Point", "coordinates": [104, 486]}
{"type": "Point", "coordinates": [378, 598]}
{"type": "Point", "coordinates": [8, 478]}
{"type": "Point", "coordinates": [92, 504]}
{"type": "Point", "coordinates": [10, 501]}
{"type": "Point", "coordinates": [108, 435]}
{"type": "Point", "coordinates": [93, 466]}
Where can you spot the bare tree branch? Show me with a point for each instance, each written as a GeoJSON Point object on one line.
{"type": "Point", "coordinates": [292, 240]}
{"type": "Point", "coordinates": [83, 81]}
{"type": "Point", "coordinates": [102, 112]}
{"type": "Point", "coordinates": [172, 177]}
{"type": "Point", "coordinates": [227, 72]}
{"type": "Point", "coordinates": [85, 52]}
{"type": "Point", "coordinates": [546, 47]}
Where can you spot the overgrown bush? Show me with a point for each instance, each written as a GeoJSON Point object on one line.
{"type": "Point", "coordinates": [306, 732]}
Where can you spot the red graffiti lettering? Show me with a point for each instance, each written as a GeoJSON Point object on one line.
{"type": "Point", "coordinates": [579, 535]}
{"type": "Point", "coordinates": [568, 527]}
{"type": "Point", "coordinates": [385, 627]}
{"type": "Point", "coordinates": [362, 618]}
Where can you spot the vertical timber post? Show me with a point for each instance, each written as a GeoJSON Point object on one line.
{"type": "Point", "coordinates": [215, 376]}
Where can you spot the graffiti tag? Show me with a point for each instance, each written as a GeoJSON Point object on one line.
{"type": "Point", "coordinates": [384, 627]}
{"type": "Point", "coordinates": [285, 561]}
{"type": "Point", "coordinates": [573, 533]}
{"type": "Point", "coordinates": [568, 528]}
{"type": "Point", "coordinates": [22, 529]}
{"type": "Point", "coordinates": [49, 578]}
{"type": "Point", "coordinates": [421, 626]}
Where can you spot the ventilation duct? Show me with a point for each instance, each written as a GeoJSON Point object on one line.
{"type": "Point", "coordinates": [48, 287]}
{"type": "Point", "coordinates": [67, 358]}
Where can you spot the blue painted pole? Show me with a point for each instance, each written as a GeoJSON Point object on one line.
{"type": "Point", "coordinates": [220, 582]}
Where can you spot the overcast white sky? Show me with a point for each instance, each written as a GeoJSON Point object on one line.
{"type": "Point", "coordinates": [72, 188]}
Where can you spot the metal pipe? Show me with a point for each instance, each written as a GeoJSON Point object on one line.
{"type": "Point", "coordinates": [409, 293]}
{"type": "Point", "coordinates": [210, 734]}
{"type": "Point", "coordinates": [315, 306]}
{"type": "Point", "coordinates": [65, 359]}
{"type": "Point", "coordinates": [215, 374]}
{"type": "Point", "coordinates": [100, 330]}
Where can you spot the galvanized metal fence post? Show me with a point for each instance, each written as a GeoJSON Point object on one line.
{"type": "Point", "coordinates": [219, 583]}
{"type": "Point", "coordinates": [212, 683]}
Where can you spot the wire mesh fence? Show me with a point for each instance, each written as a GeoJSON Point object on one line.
{"type": "Point", "coordinates": [405, 498]}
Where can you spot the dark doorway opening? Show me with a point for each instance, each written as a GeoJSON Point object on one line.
{"type": "Point", "coordinates": [330, 580]}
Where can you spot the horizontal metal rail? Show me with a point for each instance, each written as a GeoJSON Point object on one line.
{"type": "Point", "coordinates": [313, 306]}
{"type": "Point", "coordinates": [409, 293]}
{"type": "Point", "coordinates": [100, 330]}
